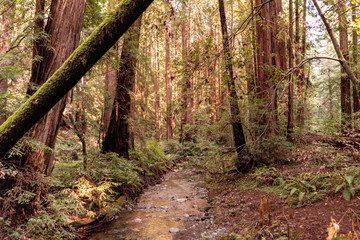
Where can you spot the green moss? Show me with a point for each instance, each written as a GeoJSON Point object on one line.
{"type": "Point", "coordinates": [66, 77]}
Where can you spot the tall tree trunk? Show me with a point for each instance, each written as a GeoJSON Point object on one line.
{"type": "Point", "coordinates": [168, 35]}
{"type": "Point", "coordinates": [301, 72]}
{"type": "Point", "coordinates": [190, 81]}
{"type": "Point", "coordinates": [37, 45]}
{"type": "Point", "coordinates": [254, 47]}
{"type": "Point", "coordinates": [110, 84]}
{"type": "Point", "coordinates": [355, 61]}
{"type": "Point", "coordinates": [271, 56]}
{"type": "Point", "coordinates": [239, 138]}
{"type": "Point", "coordinates": [184, 90]}
{"type": "Point", "coordinates": [344, 79]}
{"type": "Point", "coordinates": [5, 38]}
{"type": "Point", "coordinates": [132, 114]}
{"type": "Point", "coordinates": [117, 135]}
{"type": "Point", "coordinates": [157, 91]}
{"type": "Point", "coordinates": [66, 77]}
{"type": "Point", "coordinates": [109, 96]}
{"type": "Point", "coordinates": [290, 123]}
{"type": "Point", "coordinates": [64, 27]}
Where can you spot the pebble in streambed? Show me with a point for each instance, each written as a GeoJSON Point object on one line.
{"type": "Point", "coordinates": [162, 210]}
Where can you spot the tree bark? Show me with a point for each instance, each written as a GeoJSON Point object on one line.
{"type": "Point", "coordinates": [110, 84]}
{"type": "Point", "coordinates": [38, 41]}
{"type": "Point", "coordinates": [117, 134]}
{"type": "Point", "coordinates": [271, 56]}
{"type": "Point", "coordinates": [169, 119]}
{"type": "Point", "coordinates": [66, 77]}
{"type": "Point", "coordinates": [239, 138]}
{"type": "Point", "coordinates": [355, 61]}
{"type": "Point", "coordinates": [109, 96]}
{"type": "Point", "coordinates": [64, 27]}
{"type": "Point", "coordinates": [301, 72]}
{"type": "Point", "coordinates": [5, 38]}
{"type": "Point", "coordinates": [344, 79]}
{"type": "Point", "coordinates": [157, 92]}
{"type": "Point", "coordinates": [132, 114]}
{"type": "Point", "coordinates": [290, 123]}
{"type": "Point", "coordinates": [185, 79]}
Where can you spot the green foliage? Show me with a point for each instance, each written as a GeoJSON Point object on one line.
{"type": "Point", "coordinates": [274, 149]}
{"type": "Point", "coordinates": [49, 226]}
{"type": "Point", "coordinates": [234, 236]}
{"type": "Point", "coordinates": [152, 159]}
{"type": "Point", "coordinates": [307, 188]}
{"type": "Point", "coordinates": [110, 166]}
{"type": "Point", "coordinates": [44, 225]}
{"type": "Point", "coordinates": [265, 175]}
{"type": "Point", "coordinates": [76, 193]}
{"type": "Point", "coordinates": [7, 171]}
{"type": "Point", "coordinates": [20, 196]}
{"type": "Point", "coordinates": [94, 13]}
{"type": "Point", "coordinates": [347, 182]}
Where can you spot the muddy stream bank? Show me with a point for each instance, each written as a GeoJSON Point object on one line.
{"type": "Point", "coordinates": [177, 208]}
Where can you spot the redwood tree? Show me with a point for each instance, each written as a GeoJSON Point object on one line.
{"type": "Point", "coordinates": [355, 59]}
{"type": "Point", "coordinates": [5, 38]}
{"type": "Point", "coordinates": [344, 79]}
{"type": "Point", "coordinates": [64, 27]}
{"type": "Point", "coordinates": [186, 84]}
{"type": "Point", "coordinates": [117, 134]}
{"type": "Point", "coordinates": [168, 35]}
{"type": "Point", "coordinates": [271, 57]}
{"type": "Point", "coordinates": [109, 96]}
{"type": "Point", "coordinates": [37, 44]}
{"type": "Point", "coordinates": [301, 73]}
{"type": "Point", "coordinates": [290, 123]}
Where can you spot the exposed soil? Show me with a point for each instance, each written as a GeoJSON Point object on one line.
{"type": "Point", "coordinates": [239, 212]}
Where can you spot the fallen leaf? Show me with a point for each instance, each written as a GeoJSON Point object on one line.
{"type": "Point", "coordinates": [332, 230]}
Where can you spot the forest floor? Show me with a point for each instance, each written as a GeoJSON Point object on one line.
{"type": "Point", "coordinates": [293, 200]}
{"type": "Point", "coordinates": [239, 212]}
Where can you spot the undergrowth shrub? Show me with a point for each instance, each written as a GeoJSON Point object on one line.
{"type": "Point", "coordinates": [272, 150]}
{"type": "Point", "coordinates": [77, 193]}
{"type": "Point", "coordinates": [152, 159]}
{"type": "Point", "coordinates": [111, 167]}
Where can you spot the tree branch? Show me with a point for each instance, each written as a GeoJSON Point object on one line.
{"type": "Point", "coordinates": [339, 53]}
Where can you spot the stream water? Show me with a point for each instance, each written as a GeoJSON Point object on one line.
{"type": "Point", "coordinates": [161, 211]}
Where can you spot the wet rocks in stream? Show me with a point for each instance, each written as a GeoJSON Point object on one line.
{"type": "Point", "coordinates": [174, 209]}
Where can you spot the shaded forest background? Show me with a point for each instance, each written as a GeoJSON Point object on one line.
{"type": "Point", "coordinates": [241, 81]}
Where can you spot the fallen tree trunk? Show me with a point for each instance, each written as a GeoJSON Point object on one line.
{"type": "Point", "coordinates": [66, 77]}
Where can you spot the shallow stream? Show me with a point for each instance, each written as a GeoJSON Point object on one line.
{"type": "Point", "coordinates": [161, 210]}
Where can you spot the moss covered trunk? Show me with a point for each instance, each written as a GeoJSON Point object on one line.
{"type": "Point", "coordinates": [66, 77]}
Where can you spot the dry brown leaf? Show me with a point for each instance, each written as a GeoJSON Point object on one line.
{"type": "Point", "coordinates": [332, 229]}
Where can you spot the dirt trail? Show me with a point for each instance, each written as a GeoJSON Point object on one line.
{"type": "Point", "coordinates": [174, 209]}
